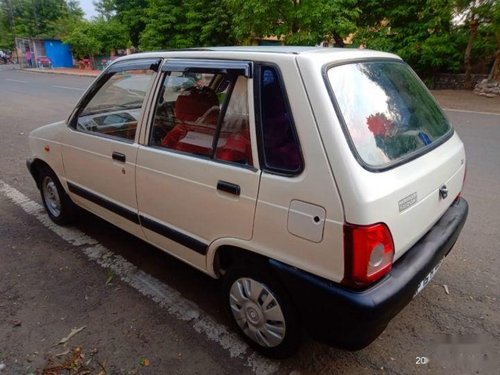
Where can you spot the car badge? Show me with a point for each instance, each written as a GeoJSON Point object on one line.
{"type": "Point", "coordinates": [407, 202]}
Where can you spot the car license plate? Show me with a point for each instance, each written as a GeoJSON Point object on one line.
{"type": "Point", "coordinates": [427, 279]}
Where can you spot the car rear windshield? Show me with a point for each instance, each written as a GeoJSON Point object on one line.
{"type": "Point", "coordinates": [388, 113]}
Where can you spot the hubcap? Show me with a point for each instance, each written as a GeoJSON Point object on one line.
{"type": "Point", "coordinates": [257, 312]}
{"type": "Point", "coordinates": [51, 196]}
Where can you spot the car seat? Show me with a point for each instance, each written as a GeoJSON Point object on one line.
{"type": "Point", "coordinates": [196, 110]}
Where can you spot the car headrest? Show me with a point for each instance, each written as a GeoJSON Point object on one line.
{"type": "Point", "coordinates": [194, 102]}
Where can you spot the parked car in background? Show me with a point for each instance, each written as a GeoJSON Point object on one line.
{"type": "Point", "coordinates": [321, 185]}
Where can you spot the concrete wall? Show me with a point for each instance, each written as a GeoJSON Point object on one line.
{"type": "Point", "coordinates": [454, 81]}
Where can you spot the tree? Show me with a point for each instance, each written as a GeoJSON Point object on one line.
{"type": "Point", "coordinates": [105, 8]}
{"type": "Point", "coordinates": [161, 31]}
{"type": "Point", "coordinates": [7, 23]}
{"type": "Point", "coordinates": [34, 17]}
{"type": "Point", "coordinates": [494, 34]}
{"type": "Point", "coordinates": [90, 38]}
{"type": "Point", "coordinates": [476, 13]}
{"type": "Point", "coordinates": [83, 40]}
{"type": "Point", "coordinates": [65, 24]}
{"type": "Point", "coordinates": [37, 18]}
{"type": "Point", "coordinates": [189, 23]}
{"type": "Point", "coordinates": [296, 21]}
{"type": "Point", "coordinates": [495, 69]}
{"type": "Point", "coordinates": [132, 14]}
{"type": "Point", "coordinates": [421, 32]}
{"type": "Point", "coordinates": [111, 34]}
{"type": "Point", "coordinates": [208, 23]}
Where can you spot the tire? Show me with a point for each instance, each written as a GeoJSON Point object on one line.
{"type": "Point", "coordinates": [57, 203]}
{"type": "Point", "coordinates": [261, 310]}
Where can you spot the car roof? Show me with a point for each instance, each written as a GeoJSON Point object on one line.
{"type": "Point", "coordinates": [258, 52]}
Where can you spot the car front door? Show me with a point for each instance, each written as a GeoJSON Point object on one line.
{"type": "Point", "coordinates": [100, 147]}
{"type": "Point", "coordinates": [196, 176]}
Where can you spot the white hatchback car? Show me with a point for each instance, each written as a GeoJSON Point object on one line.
{"type": "Point", "coordinates": [323, 185]}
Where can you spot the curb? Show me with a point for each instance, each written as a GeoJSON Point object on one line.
{"type": "Point", "coordinates": [78, 74]}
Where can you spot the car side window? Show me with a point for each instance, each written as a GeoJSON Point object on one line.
{"type": "Point", "coordinates": [281, 150]}
{"type": "Point", "coordinates": [205, 114]}
{"type": "Point", "coordinates": [235, 143]}
{"type": "Point", "coordinates": [116, 107]}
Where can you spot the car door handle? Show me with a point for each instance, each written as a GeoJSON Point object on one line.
{"type": "Point", "coordinates": [118, 156]}
{"type": "Point", "coordinates": [228, 187]}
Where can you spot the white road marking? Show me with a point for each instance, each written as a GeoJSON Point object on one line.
{"type": "Point", "coordinates": [68, 88]}
{"type": "Point", "coordinates": [465, 111]}
{"type": "Point", "coordinates": [15, 80]}
{"type": "Point", "coordinates": [167, 297]}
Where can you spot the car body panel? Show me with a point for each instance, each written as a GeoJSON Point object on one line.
{"type": "Point", "coordinates": [48, 136]}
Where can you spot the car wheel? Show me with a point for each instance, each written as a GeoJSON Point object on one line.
{"type": "Point", "coordinates": [55, 200]}
{"type": "Point", "coordinates": [262, 310]}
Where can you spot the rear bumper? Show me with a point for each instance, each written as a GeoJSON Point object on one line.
{"type": "Point", "coordinates": [353, 319]}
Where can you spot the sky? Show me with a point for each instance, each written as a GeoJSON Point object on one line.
{"type": "Point", "coordinates": [88, 8]}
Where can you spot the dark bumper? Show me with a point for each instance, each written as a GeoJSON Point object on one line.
{"type": "Point", "coordinates": [353, 319]}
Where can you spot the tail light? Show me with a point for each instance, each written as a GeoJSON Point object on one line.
{"type": "Point", "coordinates": [368, 253]}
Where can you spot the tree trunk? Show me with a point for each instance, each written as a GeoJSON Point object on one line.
{"type": "Point", "coordinates": [339, 42]}
{"type": "Point", "coordinates": [495, 70]}
{"type": "Point", "coordinates": [473, 25]}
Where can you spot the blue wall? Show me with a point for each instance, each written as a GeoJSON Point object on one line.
{"type": "Point", "coordinates": [59, 53]}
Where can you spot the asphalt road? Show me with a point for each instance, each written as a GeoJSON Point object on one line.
{"type": "Point", "coordinates": [147, 313]}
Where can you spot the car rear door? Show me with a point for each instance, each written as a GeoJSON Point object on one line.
{"type": "Point", "coordinates": [196, 176]}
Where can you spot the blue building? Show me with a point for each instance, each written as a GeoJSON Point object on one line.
{"type": "Point", "coordinates": [44, 53]}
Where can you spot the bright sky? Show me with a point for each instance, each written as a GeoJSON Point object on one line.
{"type": "Point", "coordinates": [88, 8]}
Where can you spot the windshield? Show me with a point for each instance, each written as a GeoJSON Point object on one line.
{"type": "Point", "coordinates": [388, 112]}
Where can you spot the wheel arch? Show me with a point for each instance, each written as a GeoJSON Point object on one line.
{"type": "Point", "coordinates": [35, 166]}
{"type": "Point", "coordinates": [224, 256]}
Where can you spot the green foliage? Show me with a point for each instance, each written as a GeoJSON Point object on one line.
{"type": "Point", "coordinates": [305, 22]}
{"type": "Point", "coordinates": [37, 18]}
{"type": "Point", "coordinates": [164, 17]}
{"type": "Point", "coordinates": [189, 23]}
{"type": "Point", "coordinates": [208, 23]}
{"type": "Point", "coordinates": [105, 8]}
{"type": "Point", "coordinates": [83, 40]}
{"type": "Point", "coordinates": [132, 14]}
{"type": "Point", "coordinates": [89, 38]}
{"type": "Point", "coordinates": [111, 34]}
{"type": "Point", "coordinates": [6, 36]}
{"type": "Point", "coordinates": [420, 32]}
{"type": "Point", "coordinates": [431, 35]}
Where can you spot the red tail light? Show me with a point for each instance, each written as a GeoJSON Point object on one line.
{"type": "Point", "coordinates": [368, 253]}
